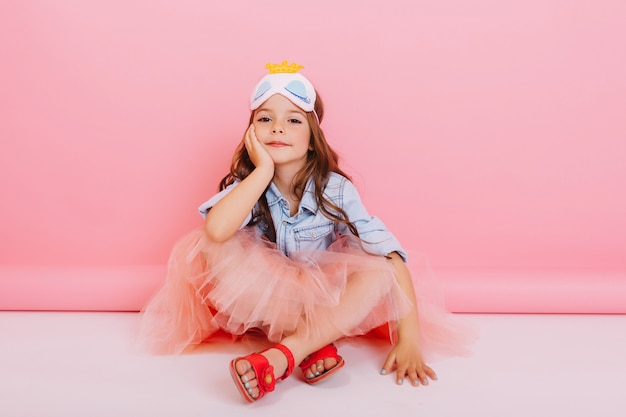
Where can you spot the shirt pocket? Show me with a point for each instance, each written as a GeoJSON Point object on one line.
{"type": "Point", "coordinates": [318, 236]}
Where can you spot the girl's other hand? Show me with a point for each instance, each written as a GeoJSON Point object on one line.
{"type": "Point", "coordinates": [407, 360]}
{"type": "Point", "coordinates": [258, 155]}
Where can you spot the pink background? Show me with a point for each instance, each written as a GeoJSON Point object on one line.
{"type": "Point", "coordinates": [489, 135]}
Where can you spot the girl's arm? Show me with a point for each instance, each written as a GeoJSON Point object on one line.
{"type": "Point", "coordinates": [226, 217]}
{"type": "Point", "coordinates": [406, 355]}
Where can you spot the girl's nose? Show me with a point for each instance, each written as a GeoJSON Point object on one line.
{"type": "Point", "coordinates": [277, 128]}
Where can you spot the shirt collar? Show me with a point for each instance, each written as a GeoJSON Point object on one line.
{"type": "Point", "coordinates": [308, 202]}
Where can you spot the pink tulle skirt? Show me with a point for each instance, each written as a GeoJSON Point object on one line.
{"type": "Point", "coordinates": [247, 284]}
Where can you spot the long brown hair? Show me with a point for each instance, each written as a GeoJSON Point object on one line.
{"type": "Point", "coordinates": [321, 161]}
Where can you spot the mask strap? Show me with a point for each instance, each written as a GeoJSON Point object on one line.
{"type": "Point", "coordinates": [316, 117]}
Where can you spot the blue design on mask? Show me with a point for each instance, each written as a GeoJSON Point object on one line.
{"type": "Point", "coordinates": [298, 89]}
{"type": "Point", "coordinates": [262, 90]}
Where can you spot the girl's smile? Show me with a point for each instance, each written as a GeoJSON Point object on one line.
{"type": "Point", "coordinates": [277, 144]}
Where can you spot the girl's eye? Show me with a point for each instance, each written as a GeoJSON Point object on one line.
{"type": "Point", "coordinates": [294, 121]}
{"type": "Point", "coordinates": [264, 119]}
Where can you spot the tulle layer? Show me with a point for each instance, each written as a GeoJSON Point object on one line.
{"type": "Point", "coordinates": [246, 284]}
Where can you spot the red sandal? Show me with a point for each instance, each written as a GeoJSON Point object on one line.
{"type": "Point", "coordinates": [264, 372]}
{"type": "Point", "coordinates": [328, 351]}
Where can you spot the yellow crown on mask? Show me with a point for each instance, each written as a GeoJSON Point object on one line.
{"type": "Point", "coordinates": [283, 67]}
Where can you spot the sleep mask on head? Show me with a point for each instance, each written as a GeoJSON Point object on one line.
{"type": "Point", "coordinates": [285, 80]}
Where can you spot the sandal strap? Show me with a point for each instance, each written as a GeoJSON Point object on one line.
{"type": "Point", "coordinates": [290, 360]}
{"type": "Point", "coordinates": [263, 371]}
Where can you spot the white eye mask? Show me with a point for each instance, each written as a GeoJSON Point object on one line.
{"type": "Point", "coordinates": [293, 86]}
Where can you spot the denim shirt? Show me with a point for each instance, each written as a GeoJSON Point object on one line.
{"type": "Point", "coordinates": [310, 229]}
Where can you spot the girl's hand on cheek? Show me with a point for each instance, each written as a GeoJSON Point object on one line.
{"type": "Point", "coordinates": [258, 155]}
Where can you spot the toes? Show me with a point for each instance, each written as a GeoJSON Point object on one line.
{"type": "Point", "coordinates": [252, 388]}
{"type": "Point", "coordinates": [320, 367]}
{"type": "Point", "coordinates": [316, 369]}
{"type": "Point", "coordinates": [242, 366]}
{"type": "Point", "coordinates": [330, 363]}
{"type": "Point", "coordinates": [248, 378]}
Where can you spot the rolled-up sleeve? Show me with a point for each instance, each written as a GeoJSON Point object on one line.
{"type": "Point", "coordinates": [372, 231]}
{"type": "Point", "coordinates": [207, 205]}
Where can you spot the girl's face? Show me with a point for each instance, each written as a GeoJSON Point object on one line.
{"type": "Point", "coordinates": [284, 131]}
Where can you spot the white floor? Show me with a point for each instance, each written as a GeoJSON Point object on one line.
{"type": "Point", "coordinates": [83, 364]}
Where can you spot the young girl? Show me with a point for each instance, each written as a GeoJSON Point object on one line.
{"type": "Point", "coordinates": [289, 250]}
